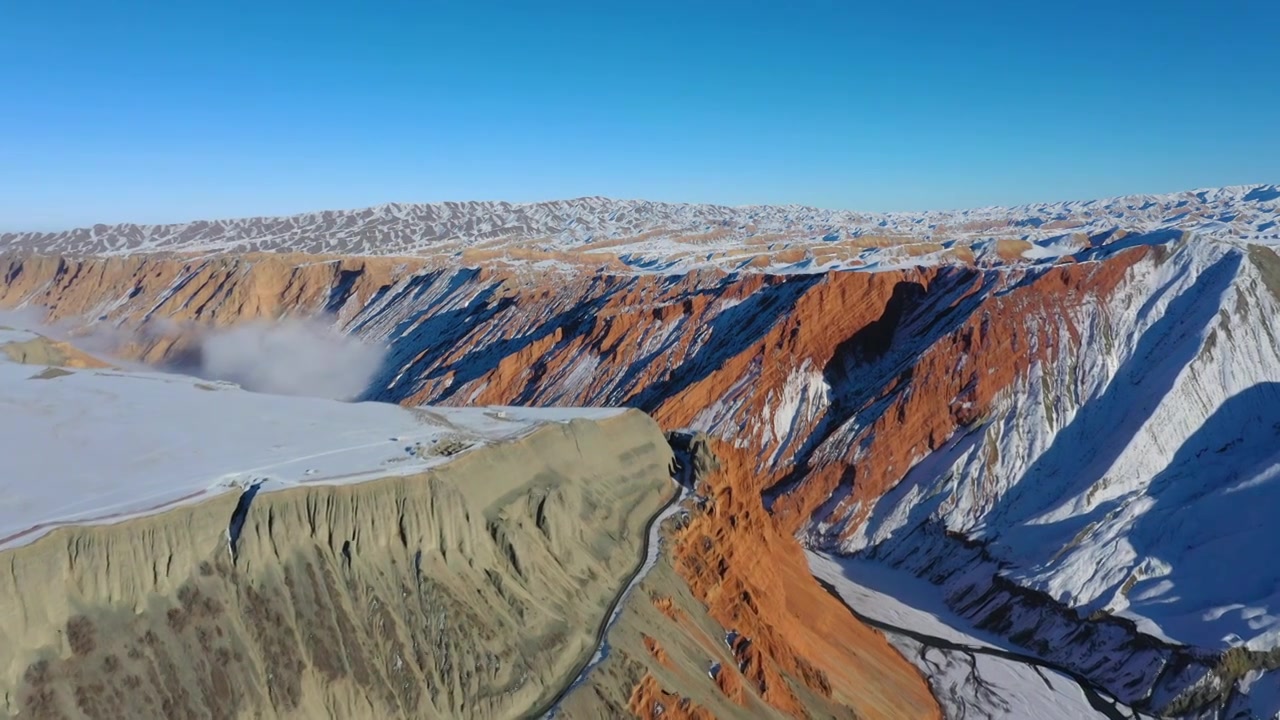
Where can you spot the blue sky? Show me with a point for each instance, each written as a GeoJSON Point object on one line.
{"type": "Point", "coordinates": [164, 111]}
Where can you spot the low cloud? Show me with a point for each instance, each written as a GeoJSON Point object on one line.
{"type": "Point", "coordinates": [285, 357]}
{"type": "Point", "coordinates": [289, 357]}
{"type": "Point", "coordinates": [96, 338]}
{"type": "Point", "coordinates": [29, 318]}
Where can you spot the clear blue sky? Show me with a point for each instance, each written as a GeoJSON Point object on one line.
{"type": "Point", "coordinates": [168, 111]}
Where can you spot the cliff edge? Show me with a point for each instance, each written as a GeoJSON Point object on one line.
{"type": "Point", "coordinates": [471, 589]}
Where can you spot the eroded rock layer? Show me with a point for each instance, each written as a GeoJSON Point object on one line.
{"type": "Point", "coordinates": [1004, 430]}
{"type": "Point", "coordinates": [730, 625]}
{"type": "Point", "coordinates": [472, 590]}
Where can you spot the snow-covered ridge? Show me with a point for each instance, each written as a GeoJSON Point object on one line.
{"type": "Point", "coordinates": [96, 445]}
{"type": "Point", "coordinates": [1124, 488]}
{"type": "Point", "coordinates": [645, 233]}
{"type": "Point", "coordinates": [1118, 479]}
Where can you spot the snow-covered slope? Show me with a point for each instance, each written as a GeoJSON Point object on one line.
{"type": "Point", "coordinates": [975, 675]}
{"type": "Point", "coordinates": [176, 548]}
{"type": "Point", "coordinates": [101, 445]}
{"type": "Point", "coordinates": [1067, 430]}
{"type": "Point", "coordinates": [651, 237]}
{"type": "Point", "coordinates": [1133, 473]}
{"type": "Point", "coordinates": [1115, 478]}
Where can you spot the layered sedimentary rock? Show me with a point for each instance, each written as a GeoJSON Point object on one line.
{"type": "Point", "coordinates": [730, 625]}
{"type": "Point", "coordinates": [1003, 424]}
{"type": "Point", "coordinates": [471, 590]}
{"type": "Point", "coordinates": [645, 235]}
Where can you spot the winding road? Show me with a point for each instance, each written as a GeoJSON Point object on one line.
{"type": "Point", "coordinates": [648, 557]}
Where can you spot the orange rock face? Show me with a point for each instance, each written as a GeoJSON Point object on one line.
{"type": "Point", "coordinates": [753, 578]}
{"type": "Point", "coordinates": [948, 384]}
{"type": "Point", "coordinates": [650, 701]}
{"type": "Point", "coordinates": [656, 650]}
{"type": "Point", "coordinates": [213, 290]}
{"type": "Point", "coordinates": [824, 388]}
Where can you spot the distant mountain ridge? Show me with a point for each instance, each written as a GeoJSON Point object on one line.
{"type": "Point", "coordinates": [588, 223]}
{"type": "Point", "coordinates": [1051, 428]}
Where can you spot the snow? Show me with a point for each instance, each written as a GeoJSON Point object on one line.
{"type": "Point", "coordinates": [674, 238]}
{"type": "Point", "coordinates": [104, 445]}
{"type": "Point", "coordinates": [1259, 697]}
{"type": "Point", "coordinates": [1125, 498]}
{"type": "Point", "coordinates": [1052, 248]}
{"type": "Point", "coordinates": [1133, 474]}
{"type": "Point", "coordinates": [805, 396]}
{"type": "Point", "coordinates": [973, 674]}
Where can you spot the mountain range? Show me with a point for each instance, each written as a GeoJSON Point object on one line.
{"type": "Point", "coordinates": [1037, 449]}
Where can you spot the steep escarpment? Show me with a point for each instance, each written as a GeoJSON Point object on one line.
{"type": "Point", "coordinates": [159, 299]}
{"type": "Point", "coordinates": [729, 623]}
{"type": "Point", "coordinates": [471, 590]}
{"type": "Point", "coordinates": [841, 379]}
{"type": "Point", "coordinates": [1088, 514]}
{"type": "Point", "coordinates": [789, 640]}
{"type": "Point", "coordinates": [1063, 446]}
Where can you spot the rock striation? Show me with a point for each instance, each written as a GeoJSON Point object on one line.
{"type": "Point", "coordinates": [1060, 415]}
{"type": "Point", "coordinates": [471, 590]}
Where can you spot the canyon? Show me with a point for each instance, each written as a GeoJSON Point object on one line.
{"type": "Point", "coordinates": [1052, 428]}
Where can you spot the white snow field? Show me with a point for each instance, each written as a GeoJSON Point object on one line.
{"type": "Point", "coordinates": [974, 675]}
{"type": "Point", "coordinates": [101, 445]}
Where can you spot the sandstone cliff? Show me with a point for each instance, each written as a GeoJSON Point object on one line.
{"type": "Point", "coordinates": [941, 408]}
{"type": "Point", "coordinates": [471, 590]}
{"type": "Point", "coordinates": [731, 625]}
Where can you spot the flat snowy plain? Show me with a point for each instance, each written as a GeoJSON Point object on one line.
{"type": "Point", "coordinates": [102, 445]}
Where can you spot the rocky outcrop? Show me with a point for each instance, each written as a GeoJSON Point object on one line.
{"type": "Point", "coordinates": [866, 406]}
{"type": "Point", "coordinates": [471, 590]}
{"type": "Point", "coordinates": [159, 299]}
{"type": "Point", "coordinates": [40, 350]}
{"type": "Point", "coordinates": [1085, 515]}
{"type": "Point", "coordinates": [790, 641]}
{"type": "Point", "coordinates": [745, 631]}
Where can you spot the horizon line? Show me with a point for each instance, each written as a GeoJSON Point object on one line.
{"type": "Point", "coordinates": [607, 198]}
